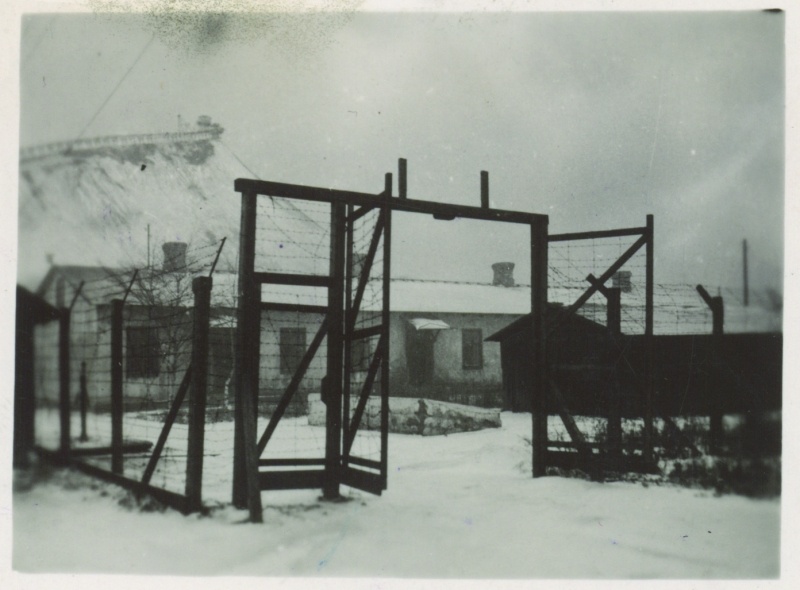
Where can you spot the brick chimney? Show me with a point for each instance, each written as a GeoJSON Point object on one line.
{"type": "Point", "coordinates": [174, 256]}
{"type": "Point", "coordinates": [503, 274]}
{"type": "Point", "coordinates": [622, 279]}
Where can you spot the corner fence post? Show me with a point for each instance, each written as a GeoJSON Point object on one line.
{"type": "Point", "coordinates": [540, 379]}
{"type": "Point", "coordinates": [64, 410]}
{"type": "Point", "coordinates": [246, 488]}
{"type": "Point", "coordinates": [201, 286]}
{"type": "Point", "coordinates": [116, 386]}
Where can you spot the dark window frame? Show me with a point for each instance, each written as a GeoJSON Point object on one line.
{"type": "Point", "coordinates": [472, 348]}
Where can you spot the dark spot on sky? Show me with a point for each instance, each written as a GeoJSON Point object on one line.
{"type": "Point", "coordinates": [144, 166]}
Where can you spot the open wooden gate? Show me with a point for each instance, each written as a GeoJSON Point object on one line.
{"type": "Point", "coordinates": [366, 348]}
{"type": "Point", "coordinates": [355, 388]}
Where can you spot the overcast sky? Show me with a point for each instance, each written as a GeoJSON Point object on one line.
{"type": "Point", "coordinates": [593, 119]}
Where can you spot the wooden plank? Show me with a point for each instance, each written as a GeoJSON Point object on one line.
{"type": "Point", "coordinates": [347, 345]}
{"type": "Point", "coordinates": [166, 497]}
{"type": "Point", "coordinates": [593, 235]}
{"type": "Point", "coordinates": [402, 179]}
{"type": "Point", "coordinates": [293, 307]}
{"type": "Point", "coordinates": [285, 278]}
{"type": "Point", "coordinates": [369, 332]}
{"type": "Point", "coordinates": [365, 270]}
{"type": "Point", "coordinates": [131, 447]}
{"type": "Point", "coordinates": [168, 422]}
{"type": "Point", "coordinates": [171, 499]}
{"type": "Point", "coordinates": [327, 195]}
{"type": "Point", "coordinates": [538, 362]}
{"type": "Point", "coordinates": [484, 189]}
{"type": "Point", "coordinates": [334, 373]}
{"type": "Point", "coordinates": [358, 213]}
{"type": "Point", "coordinates": [290, 480]}
{"type": "Point", "coordinates": [117, 306]}
{"type": "Point", "coordinates": [64, 409]}
{"type": "Point", "coordinates": [246, 491]}
{"type": "Point", "coordinates": [386, 324]}
{"type": "Point", "coordinates": [293, 386]}
{"type": "Point", "coordinates": [649, 342]}
{"type": "Point", "coordinates": [201, 287]}
{"type": "Point", "coordinates": [362, 480]}
{"type": "Point", "coordinates": [350, 435]}
{"type": "Point", "coordinates": [290, 462]}
{"type": "Point", "coordinates": [355, 460]}
{"type": "Point", "coordinates": [569, 422]}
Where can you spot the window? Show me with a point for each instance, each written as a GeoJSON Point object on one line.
{"type": "Point", "coordinates": [472, 348]}
{"type": "Point", "coordinates": [143, 353]}
{"type": "Point", "coordinates": [293, 347]}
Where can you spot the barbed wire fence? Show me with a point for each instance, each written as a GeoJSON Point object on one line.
{"type": "Point", "coordinates": [689, 367]}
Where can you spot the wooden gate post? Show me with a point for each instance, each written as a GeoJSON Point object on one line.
{"type": "Point", "coordinates": [117, 306]}
{"type": "Point", "coordinates": [64, 409]}
{"type": "Point", "coordinates": [540, 382]}
{"type": "Point", "coordinates": [246, 489]}
{"type": "Point", "coordinates": [333, 393]}
{"type": "Point", "coordinates": [201, 286]}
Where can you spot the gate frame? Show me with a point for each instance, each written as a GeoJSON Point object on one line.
{"type": "Point", "coordinates": [597, 284]}
{"type": "Point", "coordinates": [246, 492]}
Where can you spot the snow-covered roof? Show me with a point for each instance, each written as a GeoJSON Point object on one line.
{"type": "Point", "coordinates": [677, 309]}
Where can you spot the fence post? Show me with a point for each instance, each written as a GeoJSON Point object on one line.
{"type": "Point", "coordinates": [246, 488]}
{"type": "Point", "coordinates": [540, 382]}
{"type": "Point", "coordinates": [84, 402]}
{"type": "Point", "coordinates": [717, 307]}
{"type": "Point", "coordinates": [201, 286]}
{"type": "Point", "coordinates": [64, 409]}
{"type": "Point", "coordinates": [116, 386]}
{"type": "Point", "coordinates": [333, 405]}
{"type": "Point", "coordinates": [649, 376]}
{"type": "Point", "coordinates": [715, 416]}
{"type": "Point", "coordinates": [613, 323]}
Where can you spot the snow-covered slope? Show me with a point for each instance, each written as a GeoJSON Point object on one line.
{"type": "Point", "coordinates": [91, 204]}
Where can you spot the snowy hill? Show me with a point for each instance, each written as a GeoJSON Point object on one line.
{"type": "Point", "coordinates": [89, 202]}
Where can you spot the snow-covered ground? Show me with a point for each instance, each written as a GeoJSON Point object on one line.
{"type": "Point", "coordinates": [460, 506]}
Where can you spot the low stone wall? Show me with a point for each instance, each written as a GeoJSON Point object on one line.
{"type": "Point", "coordinates": [415, 416]}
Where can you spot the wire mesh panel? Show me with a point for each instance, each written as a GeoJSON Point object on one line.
{"type": "Point", "coordinates": [364, 302]}
{"type": "Point", "coordinates": [593, 382]}
{"type": "Point", "coordinates": [292, 236]}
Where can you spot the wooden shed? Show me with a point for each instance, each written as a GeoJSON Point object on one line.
{"type": "Point", "coordinates": [577, 354]}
